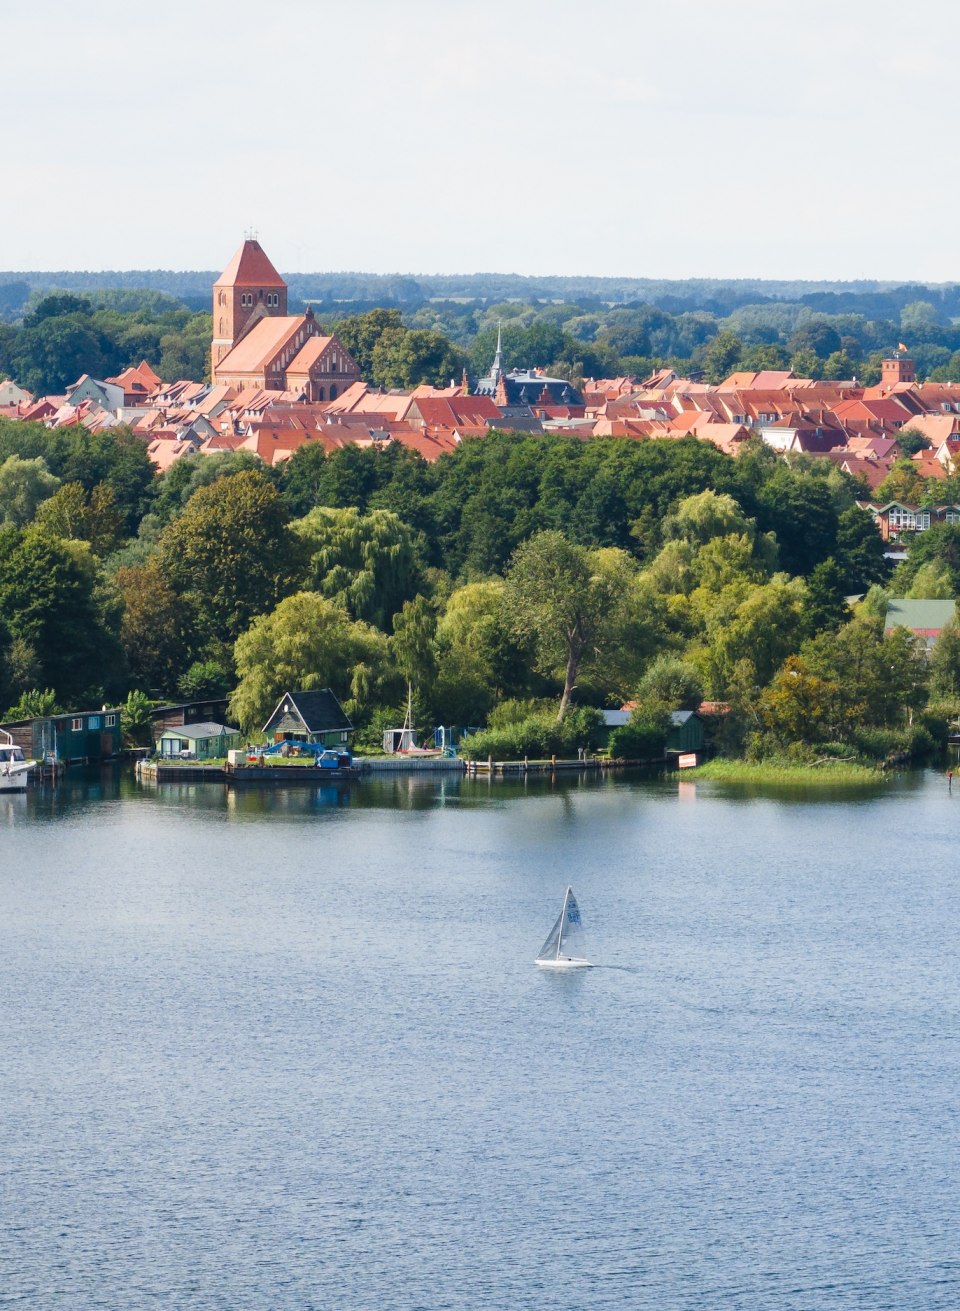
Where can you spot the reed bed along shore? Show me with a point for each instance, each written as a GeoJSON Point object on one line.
{"type": "Point", "coordinates": [827, 773]}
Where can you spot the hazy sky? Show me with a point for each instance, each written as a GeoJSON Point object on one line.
{"type": "Point", "coordinates": [689, 138]}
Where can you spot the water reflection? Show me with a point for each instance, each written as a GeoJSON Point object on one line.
{"type": "Point", "coordinates": [89, 788]}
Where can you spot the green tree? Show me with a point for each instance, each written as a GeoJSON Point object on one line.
{"type": "Point", "coordinates": [204, 680]}
{"type": "Point", "coordinates": [185, 476]}
{"type": "Point", "coordinates": [800, 705]}
{"type": "Point", "coordinates": [671, 682]}
{"type": "Point", "coordinates": [360, 333]}
{"type": "Point", "coordinates": [34, 705]}
{"type": "Point", "coordinates": [912, 440]}
{"type": "Point", "coordinates": [904, 482]}
{"type": "Point", "coordinates": [48, 597]}
{"type": "Point", "coordinates": [480, 662]}
{"type": "Point", "coordinates": [859, 550]}
{"type": "Point", "coordinates": [370, 563]}
{"type": "Point", "coordinates": [156, 629]}
{"type": "Point", "coordinates": [945, 663]}
{"type": "Point", "coordinates": [940, 544]}
{"type": "Point", "coordinates": [230, 553]}
{"type": "Point", "coordinates": [413, 646]}
{"type": "Point", "coordinates": [49, 354]}
{"type": "Point", "coordinates": [306, 643]}
{"type": "Point", "coordinates": [136, 719]}
{"type": "Point", "coordinates": [73, 513]}
{"type": "Point", "coordinates": [825, 605]}
{"type": "Point", "coordinates": [932, 581]}
{"type": "Point", "coordinates": [570, 601]}
{"type": "Point", "coordinates": [763, 625]}
{"type": "Point", "coordinates": [722, 356]}
{"type": "Point", "coordinates": [405, 357]}
{"type": "Point", "coordinates": [24, 484]}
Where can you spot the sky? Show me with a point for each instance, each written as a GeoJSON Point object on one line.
{"type": "Point", "coordinates": [693, 138]}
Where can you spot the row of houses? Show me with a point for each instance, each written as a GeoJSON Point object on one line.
{"type": "Point", "coordinates": [278, 382]}
{"type": "Point", "coordinates": [194, 728]}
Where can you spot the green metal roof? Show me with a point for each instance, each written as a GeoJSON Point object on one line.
{"type": "Point", "coordinates": [906, 612]}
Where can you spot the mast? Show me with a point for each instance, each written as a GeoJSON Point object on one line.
{"type": "Point", "coordinates": [563, 920]}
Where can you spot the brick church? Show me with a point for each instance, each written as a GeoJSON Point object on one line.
{"type": "Point", "coordinates": [257, 344]}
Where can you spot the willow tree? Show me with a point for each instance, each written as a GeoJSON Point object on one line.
{"type": "Point", "coordinates": [369, 563]}
{"type": "Point", "coordinates": [306, 643]}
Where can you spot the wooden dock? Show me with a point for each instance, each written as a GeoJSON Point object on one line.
{"type": "Point", "coordinates": [161, 771]}
{"type": "Point", "coordinates": [493, 768]}
{"type": "Point", "coordinates": [410, 764]}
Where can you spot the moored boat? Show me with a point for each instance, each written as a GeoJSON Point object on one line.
{"type": "Point", "coordinates": [14, 767]}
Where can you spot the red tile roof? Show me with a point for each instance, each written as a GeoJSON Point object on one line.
{"type": "Point", "coordinates": [261, 345]}
{"type": "Point", "coordinates": [250, 267]}
{"type": "Point", "coordinates": [308, 354]}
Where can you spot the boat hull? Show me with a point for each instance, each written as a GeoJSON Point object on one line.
{"type": "Point", "coordinates": [564, 964]}
{"type": "Point", "coordinates": [14, 782]}
{"type": "Point", "coordinates": [13, 778]}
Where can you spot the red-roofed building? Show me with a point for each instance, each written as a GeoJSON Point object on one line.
{"type": "Point", "coordinates": [137, 383]}
{"type": "Point", "coordinates": [255, 341]}
{"type": "Point", "coordinates": [248, 288]}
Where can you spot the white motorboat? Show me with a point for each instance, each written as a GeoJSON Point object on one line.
{"type": "Point", "coordinates": [565, 947]}
{"type": "Point", "coordinates": [14, 767]}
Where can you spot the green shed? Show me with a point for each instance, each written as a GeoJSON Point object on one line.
{"type": "Point", "coordinates": [686, 732]}
{"type": "Point", "coordinates": [199, 741]}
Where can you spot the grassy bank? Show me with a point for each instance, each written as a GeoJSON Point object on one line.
{"type": "Point", "coordinates": [828, 773]}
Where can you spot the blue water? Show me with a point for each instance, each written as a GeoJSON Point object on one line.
{"type": "Point", "coordinates": [289, 1050]}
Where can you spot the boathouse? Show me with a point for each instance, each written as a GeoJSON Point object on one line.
{"type": "Point", "coordinates": [78, 737]}
{"type": "Point", "coordinates": [686, 732]}
{"type": "Point", "coordinates": [316, 717]}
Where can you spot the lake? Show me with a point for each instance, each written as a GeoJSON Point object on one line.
{"type": "Point", "coordinates": [288, 1049]}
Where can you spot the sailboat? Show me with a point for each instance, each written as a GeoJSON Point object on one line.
{"type": "Point", "coordinates": [565, 947]}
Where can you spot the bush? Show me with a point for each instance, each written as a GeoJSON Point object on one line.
{"type": "Point", "coordinates": [880, 743]}
{"type": "Point", "coordinates": [538, 736]}
{"type": "Point", "coordinates": [645, 736]}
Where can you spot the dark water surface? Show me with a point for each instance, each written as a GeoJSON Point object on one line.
{"type": "Point", "coordinates": [289, 1049]}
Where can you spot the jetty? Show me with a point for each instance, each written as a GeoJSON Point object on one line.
{"type": "Point", "coordinates": [176, 771]}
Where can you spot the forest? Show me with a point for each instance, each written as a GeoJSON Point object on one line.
{"type": "Point", "coordinates": [515, 587]}
{"type": "Point", "coordinates": [405, 331]}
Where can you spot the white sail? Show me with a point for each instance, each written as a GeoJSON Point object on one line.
{"type": "Point", "coordinates": [573, 944]}
{"type": "Point", "coordinates": [551, 947]}
{"type": "Point", "coordinates": [565, 944]}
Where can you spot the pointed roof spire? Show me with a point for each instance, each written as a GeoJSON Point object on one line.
{"type": "Point", "coordinates": [250, 267]}
{"type": "Point", "coordinates": [497, 369]}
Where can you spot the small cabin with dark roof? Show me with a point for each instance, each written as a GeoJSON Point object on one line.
{"type": "Point", "coordinates": [316, 717]}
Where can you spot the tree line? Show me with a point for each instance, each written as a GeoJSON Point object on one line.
{"type": "Point", "coordinates": [52, 339]}
{"type": "Point", "coordinates": [514, 586]}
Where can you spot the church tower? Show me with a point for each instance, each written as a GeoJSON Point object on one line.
{"type": "Point", "coordinates": [898, 368]}
{"type": "Point", "coordinates": [248, 289]}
